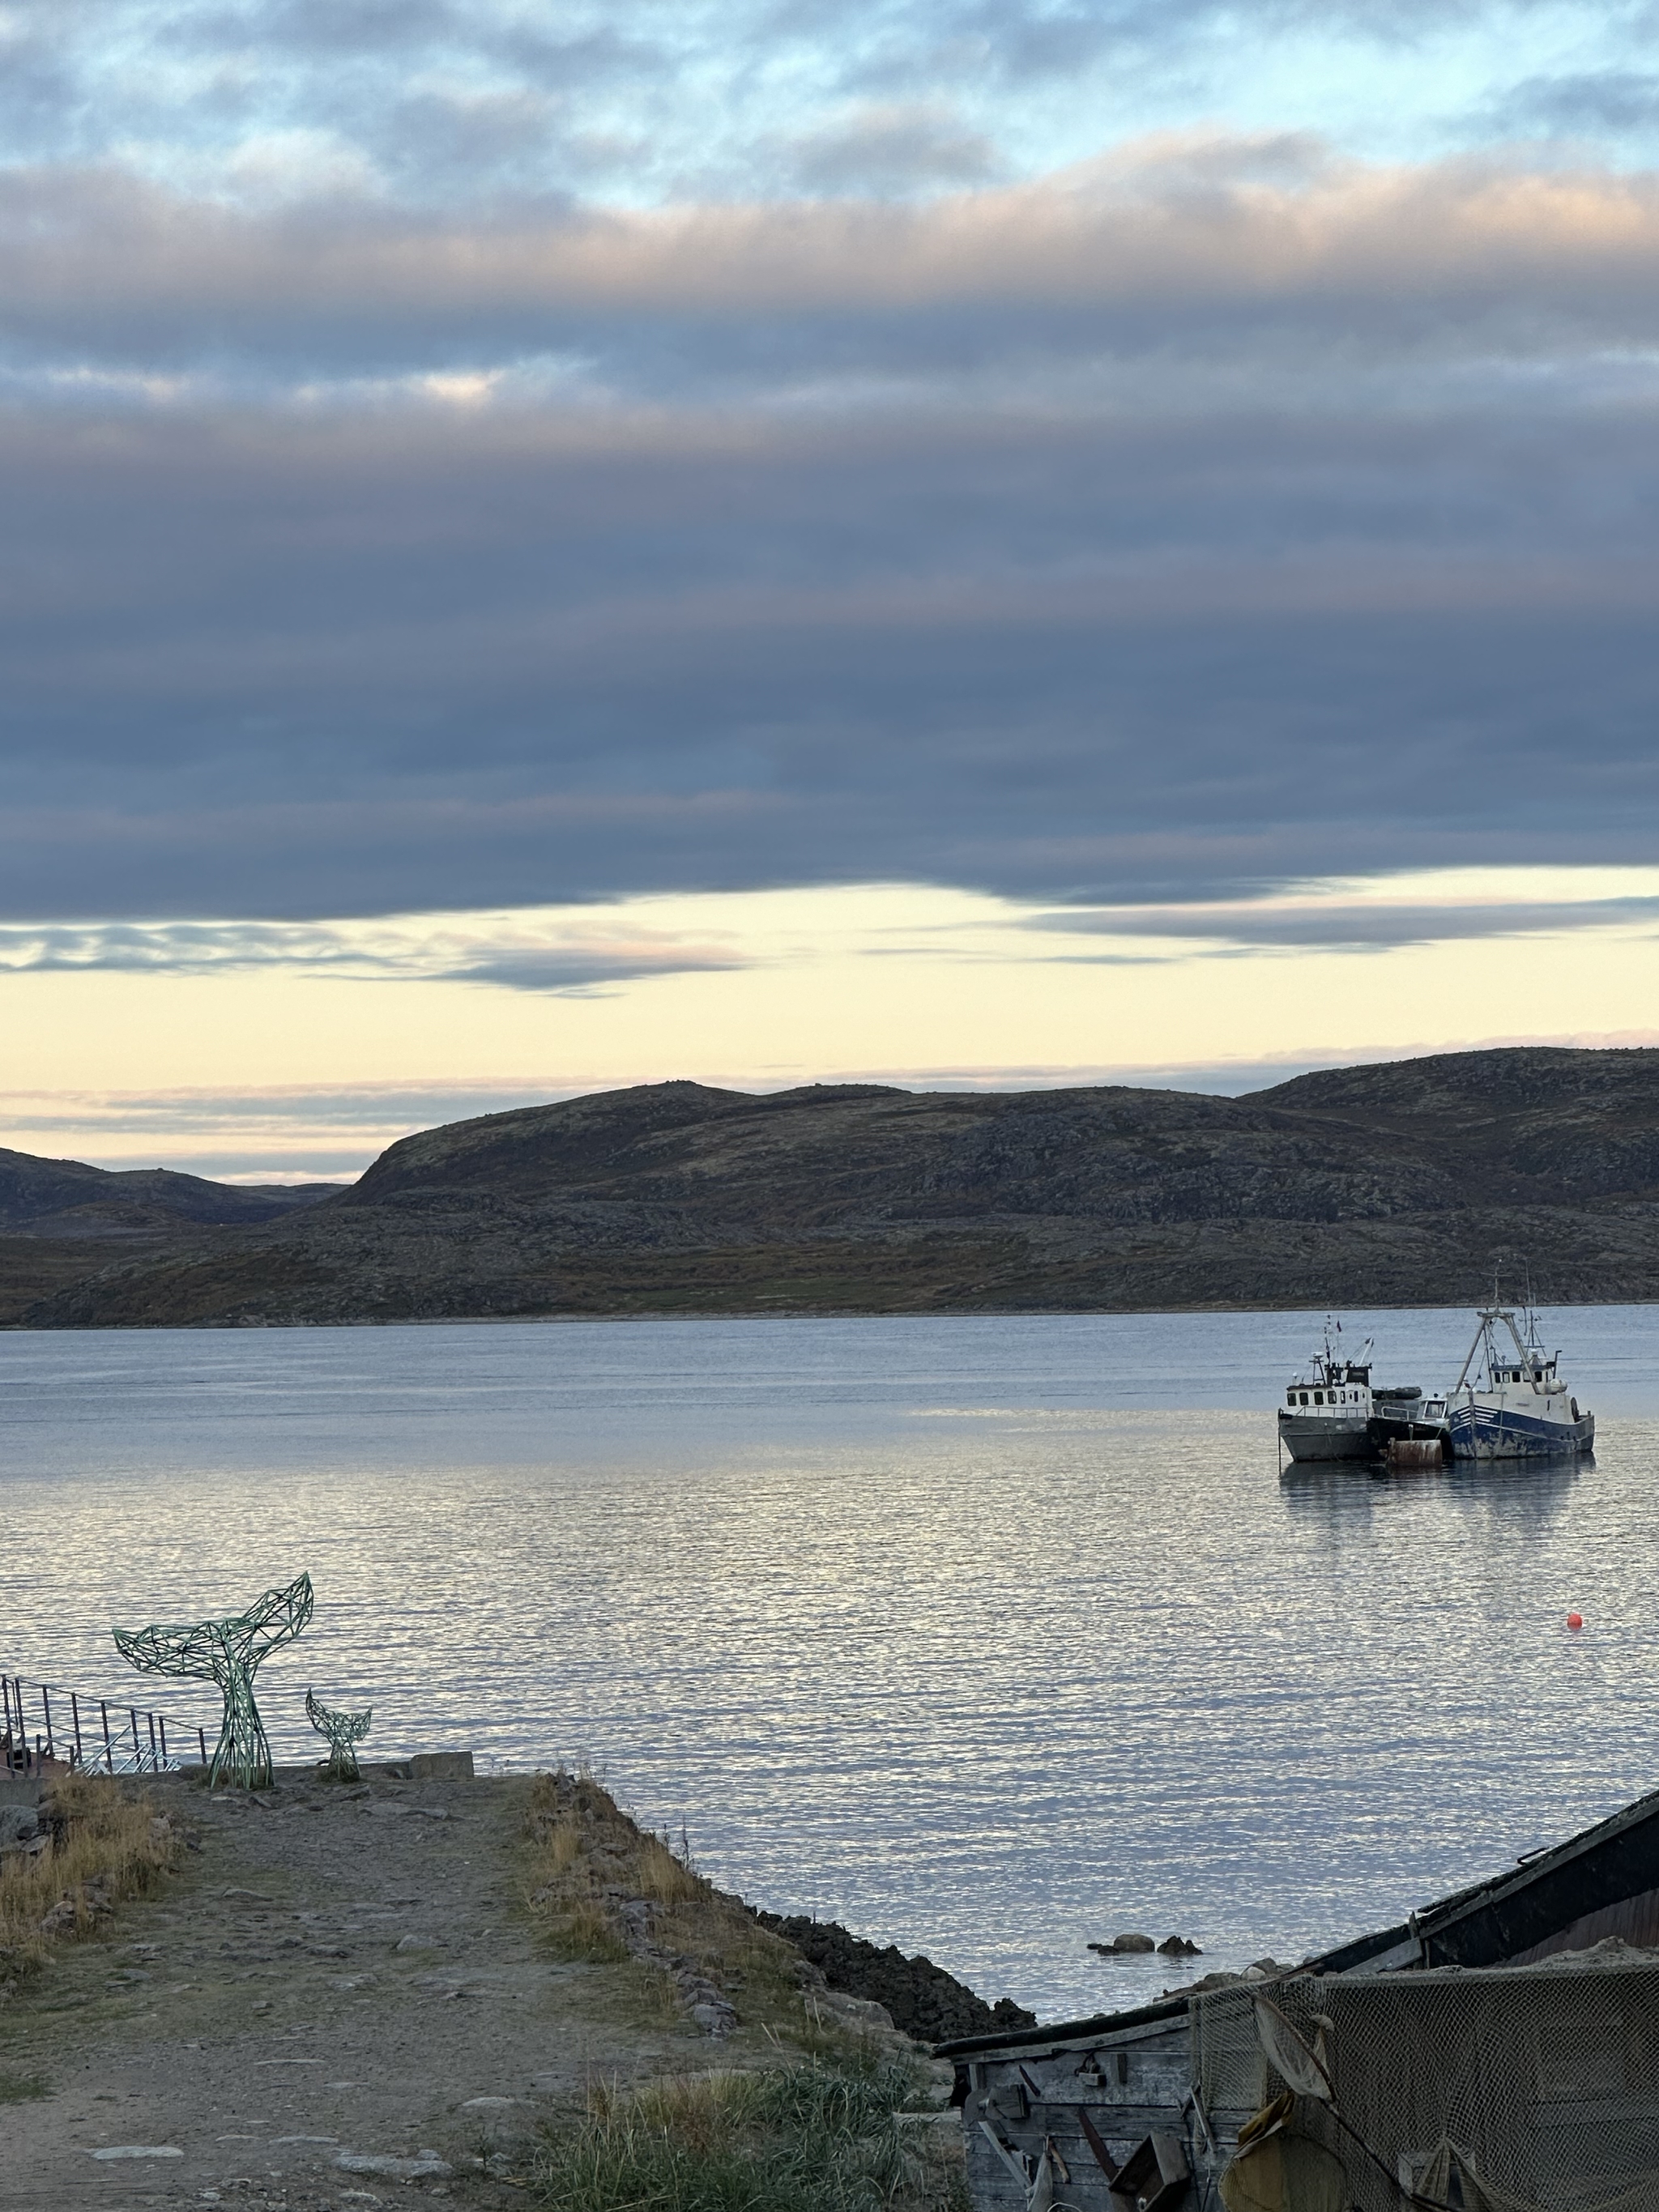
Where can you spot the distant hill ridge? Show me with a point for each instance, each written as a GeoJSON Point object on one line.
{"type": "Point", "coordinates": [66, 1198]}
{"type": "Point", "coordinates": [1401, 1183]}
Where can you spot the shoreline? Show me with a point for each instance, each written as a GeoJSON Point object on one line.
{"type": "Point", "coordinates": [1312, 1308]}
{"type": "Point", "coordinates": [424, 1981]}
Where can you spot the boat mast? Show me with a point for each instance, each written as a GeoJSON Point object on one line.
{"type": "Point", "coordinates": [1483, 1334]}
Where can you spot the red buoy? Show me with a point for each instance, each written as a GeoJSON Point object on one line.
{"type": "Point", "coordinates": [1575, 1620]}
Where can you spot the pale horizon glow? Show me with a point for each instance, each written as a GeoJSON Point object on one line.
{"type": "Point", "coordinates": [260, 1051]}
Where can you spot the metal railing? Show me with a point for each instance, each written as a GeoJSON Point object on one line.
{"type": "Point", "coordinates": [97, 1734]}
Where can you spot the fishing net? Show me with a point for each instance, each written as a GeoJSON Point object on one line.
{"type": "Point", "coordinates": [1522, 2089]}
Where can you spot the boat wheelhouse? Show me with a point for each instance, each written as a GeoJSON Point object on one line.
{"type": "Point", "coordinates": [1509, 1401]}
{"type": "Point", "coordinates": [1405, 1414]}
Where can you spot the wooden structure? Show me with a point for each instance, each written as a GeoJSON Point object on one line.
{"type": "Point", "coordinates": [1111, 2114]}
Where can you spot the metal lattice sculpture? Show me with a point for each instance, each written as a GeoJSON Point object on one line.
{"type": "Point", "coordinates": [342, 1731]}
{"type": "Point", "coordinates": [228, 1652]}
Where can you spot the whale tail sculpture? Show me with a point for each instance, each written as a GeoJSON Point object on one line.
{"type": "Point", "coordinates": [228, 1652]}
{"type": "Point", "coordinates": [342, 1732]}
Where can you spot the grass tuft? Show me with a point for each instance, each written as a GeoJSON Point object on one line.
{"type": "Point", "coordinates": [107, 1844]}
{"type": "Point", "coordinates": [588, 1861]}
{"type": "Point", "coordinates": [19, 2088]}
{"type": "Point", "coordinates": [801, 2139]}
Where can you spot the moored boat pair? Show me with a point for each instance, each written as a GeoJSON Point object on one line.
{"type": "Point", "coordinates": [1508, 1402]}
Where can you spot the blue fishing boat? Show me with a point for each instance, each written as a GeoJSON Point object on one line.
{"type": "Point", "coordinates": [1509, 1401]}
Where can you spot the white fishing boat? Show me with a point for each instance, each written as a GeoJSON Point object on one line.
{"type": "Point", "coordinates": [1328, 1408]}
{"type": "Point", "coordinates": [1509, 1401]}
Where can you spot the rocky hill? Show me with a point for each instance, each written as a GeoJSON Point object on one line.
{"type": "Point", "coordinates": [1402, 1183]}
{"type": "Point", "coordinates": [64, 1197]}
{"type": "Point", "coordinates": [61, 1221]}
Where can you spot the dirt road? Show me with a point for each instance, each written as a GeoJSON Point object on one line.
{"type": "Point", "coordinates": [337, 1973]}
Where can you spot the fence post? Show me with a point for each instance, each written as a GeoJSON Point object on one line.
{"type": "Point", "coordinates": [138, 1754]}
{"type": "Point", "coordinates": [161, 1723]}
{"type": "Point", "coordinates": [201, 1738]}
{"type": "Point", "coordinates": [154, 1766]}
{"type": "Point", "coordinates": [109, 1749]}
{"type": "Point", "coordinates": [75, 1715]}
{"type": "Point", "coordinates": [45, 1707]}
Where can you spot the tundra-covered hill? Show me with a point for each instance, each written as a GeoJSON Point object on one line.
{"type": "Point", "coordinates": [1400, 1184]}
{"type": "Point", "coordinates": [61, 1221]}
{"type": "Point", "coordinates": [66, 1198]}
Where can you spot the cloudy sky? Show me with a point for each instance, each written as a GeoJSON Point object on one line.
{"type": "Point", "coordinates": [551, 545]}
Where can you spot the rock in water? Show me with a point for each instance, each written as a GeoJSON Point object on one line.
{"type": "Point", "coordinates": [1178, 1947]}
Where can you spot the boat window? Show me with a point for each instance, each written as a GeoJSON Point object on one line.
{"type": "Point", "coordinates": [1304, 1397]}
{"type": "Point", "coordinates": [1319, 1397]}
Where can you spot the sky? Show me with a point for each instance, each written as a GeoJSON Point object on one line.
{"type": "Point", "coordinates": [551, 546]}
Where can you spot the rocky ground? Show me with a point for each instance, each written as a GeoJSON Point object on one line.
{"type": "Point", "coordinates": [344, 1997]}
{"type": "Point", "coordinates": [920, 1997]}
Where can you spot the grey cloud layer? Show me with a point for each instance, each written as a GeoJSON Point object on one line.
{"type": "Point", "coordinates": [1213, 516]}
{"type": "Point", "coordinates": [1373, 927]}
{"type": "Point", "coordinates": [219, 947]}
{"type": "Point", "coordinates": [1164, 246]}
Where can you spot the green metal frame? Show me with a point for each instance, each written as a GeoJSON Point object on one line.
{"type": "Point", "coordinates": [228, 1652]}
{"type": "Point", "coordinates": [342, 1731]}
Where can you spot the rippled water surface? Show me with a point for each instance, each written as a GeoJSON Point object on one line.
{"type": "Point", "coordinates": [985, 1637]}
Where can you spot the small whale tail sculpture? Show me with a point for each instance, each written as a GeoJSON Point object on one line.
{"type": "Point", "coordinates": [342, 1731]}
{"type": "Point", "coordinates": [228, 1652]}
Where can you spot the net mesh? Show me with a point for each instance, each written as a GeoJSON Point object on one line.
{"type": "Point", "coordinates": [1533, 2086]}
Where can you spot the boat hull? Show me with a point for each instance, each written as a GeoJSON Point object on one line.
{"type": "Point", "coordinates": [1386, 1429]}
{"type": "Point", "coordinates": [1487, 1432]}
{"type": "Point", "coordinates": [1309, 1440]}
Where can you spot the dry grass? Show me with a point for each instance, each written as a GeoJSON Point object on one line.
{"type": "Point", "coordinates": [109, 1843]}
{"type": "Point", "coordinates": [604, 1889]}
{"type": "Point", "coordinates": [576, 1849]}
{"type": "Point", "coordinates": [665, 1879]}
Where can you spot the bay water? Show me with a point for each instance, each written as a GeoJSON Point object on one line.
{"type": "Point", "coordinates": [986, 1636]}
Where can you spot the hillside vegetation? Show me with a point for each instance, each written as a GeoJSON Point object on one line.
{"type": "Point", "coordinates": [1402, 1183]}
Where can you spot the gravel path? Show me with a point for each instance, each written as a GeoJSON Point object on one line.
{"type": "Point", "coordinates": [338, 1973]}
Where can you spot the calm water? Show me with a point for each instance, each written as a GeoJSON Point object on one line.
{"type": "Point", "coordinates": [985, 1637]}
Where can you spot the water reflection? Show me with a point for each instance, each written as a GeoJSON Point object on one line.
{"type": "Point", "coordinates": [1522, 1494]}
{"type": "Point", "coordinates": [905, 1619]}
